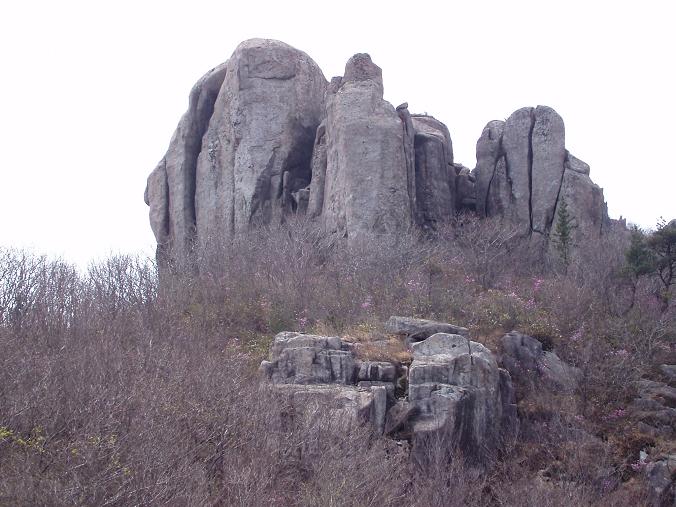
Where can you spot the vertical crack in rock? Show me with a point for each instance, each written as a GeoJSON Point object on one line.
{"type": "Point", "coordinates": [265, 136]}
{"type": "Point", "coordinates": [263, 192]}
{"type": "Point", "coordinates": [499, 155]}
{"type": "Point", "coordinates": [530, 169]}
{"type": "Point", "coordinates": [204, 102]}
{"type": "Point", "coordinates": [409, 153]}
{"type": "Point", "coordinates": [318, 167]}
{"type": "Point", "coordinates": [550, 222]}
{"type": "Point", "coordinates": [549, 155]}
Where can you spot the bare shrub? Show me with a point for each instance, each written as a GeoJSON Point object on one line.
{"type": "Point", "coordinates": [116, 389]}
{"type": "Point", "coordinates": [485, 245]}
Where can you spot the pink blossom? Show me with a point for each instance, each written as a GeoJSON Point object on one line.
{"type": "Point", "coordinates": [577, 335]}
{"type": "Point", "coordinates": [615, 414]}
{"type": "Point", "coordinates": [537, 283]}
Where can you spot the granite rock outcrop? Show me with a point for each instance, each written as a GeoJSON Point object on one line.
{"type": "Point", "coordinates": [360, 178]}
{"type": "Point", "coordinates": [524, 171]}
{"type": "Point", "coordinates": [266, 136]}
{"type": "Point", "coordinates": [243, 148]}
{"type": "Point", "coordinates": [455, 395]}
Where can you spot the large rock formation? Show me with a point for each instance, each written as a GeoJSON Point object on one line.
{"type": "Point", "coordinates": [242, 149]}
{"type": "Point", "coordinates": [457, 396]}
{"type": "Point", "coordinates": [360, 179]}
{"type": "Point", "coordinates": [461, 396]}
{"type": "Point", "coordinates": [266, 136]}
{"type": "Point", "coordinates": [524, 171]}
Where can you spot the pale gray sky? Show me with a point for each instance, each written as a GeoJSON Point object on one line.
{"type": "Point", "coordinates": [91, 92]}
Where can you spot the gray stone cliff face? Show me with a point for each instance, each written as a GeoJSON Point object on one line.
{"type": "Point", "coordinates": [242, 149]}
{"type": "Point", "coordinates": [360, 183]}
{"type": "Point", "coordinates": [457, 396]}
{"type": "Point", "coordinates": [265, 136]}
{"type": "Point", "coordinates": [524, 170]}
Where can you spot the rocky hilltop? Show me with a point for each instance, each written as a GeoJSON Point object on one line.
{"type": "Point", "coordinates": [266, 136]}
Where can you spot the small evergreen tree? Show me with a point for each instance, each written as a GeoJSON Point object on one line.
{"type": "Point", "coordinates": [662, 243]}
{"type": "Point", "coordinates": [640, 258]}
{"type": "Point", "coordinates": [654, 254]}
{"type": "Point", "coordinates": [563, 232]}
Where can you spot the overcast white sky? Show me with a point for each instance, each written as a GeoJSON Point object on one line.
{"type": "Point", "coordinates": [91, 92]}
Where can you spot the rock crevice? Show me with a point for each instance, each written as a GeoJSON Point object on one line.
{"type": "Point", "coordinates": [456, 392]}
{"type": "Point", "coordinates": [266, 136]}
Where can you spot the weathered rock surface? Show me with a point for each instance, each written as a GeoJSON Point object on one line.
{"type": "Point", "coordinates": [489, 155]}
{"type": "Point", "coordinates": [465, 189]}
{"type": "Point", "coordinates": [265, 136]}
{"type": "Point", "coordinates": [434, 171]}
{"type": "Point", "coordinates": [258, 148]}
{"type": "Point", "coordinates": [309, 359]}
{"type": "Point", "coordinates": [361, 186]}
{"type": "Point", "coordinates": [461, 395]}
{"type": "Point", "coordinates": [170, 191]}
{"type": "Point", "coordinates": [584, 199]}
{"type": "Point", "coordinates": [419, 329]}
{"type": "Point", "coordinates": [523, 172]}
{"type": "Point", "coordinates": [242, 149]}
{"type": "Point", "coordinates": [343, 407]}
{"type": "Point", "coordinates": [531, 366]}
{"type": "Point", "coordinates": [457, 395]}
{"type": "Point", "coordinates": [319, 373]}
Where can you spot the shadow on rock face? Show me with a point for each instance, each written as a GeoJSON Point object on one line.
{"type": "Point", "coordinates": [457, 396]}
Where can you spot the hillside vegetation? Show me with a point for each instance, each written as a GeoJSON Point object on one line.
{"type": "Point", "coordinates": [116, 389]}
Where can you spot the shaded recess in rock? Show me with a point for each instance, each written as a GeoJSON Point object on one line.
{"type": "Point", "coordinates": [266, 136]}
{"type": "Point", "coordinates": [457, 396]}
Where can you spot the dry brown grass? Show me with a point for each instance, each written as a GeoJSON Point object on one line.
{"type": "Point", "coordinates": [116, 391]}
{"type": "Point", "coordinates": [391, 349]}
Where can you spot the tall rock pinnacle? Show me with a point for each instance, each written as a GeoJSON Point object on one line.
{"type": "Point", "coordinates": [523, 170]}
{"type": "Point", "coordinates": [266, 136]}
{"type": "Point", "coordinates": [360, 185]}
{"type": "Point", "coordinates": [242, 148]}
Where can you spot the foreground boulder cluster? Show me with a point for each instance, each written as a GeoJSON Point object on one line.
{"type": "Point", "coordinates": [266, 136]}
{"type": "Point", "coordinates": [453, 393]}
{"type": "Point", "coordinates": [654, 413]}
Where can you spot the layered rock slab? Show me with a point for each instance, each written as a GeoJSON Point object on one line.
{"type": "Point", "coordinates": [461, 397]}
{"type": "Point", "coordinates": [319, 373]}
{"type": "Point", "coordinates": [457, 396]}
